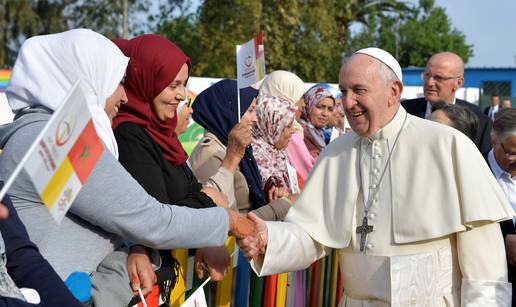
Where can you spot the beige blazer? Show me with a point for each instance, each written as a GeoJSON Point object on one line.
{"type": "Point", "coordinates": [206, 160]}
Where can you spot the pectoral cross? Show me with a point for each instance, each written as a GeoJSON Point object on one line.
{"type": "Point", "coordinates": [364, 230]}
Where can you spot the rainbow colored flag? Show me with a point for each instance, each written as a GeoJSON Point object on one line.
{"type": "Point", "coordinates": [63, 155]}
{"type": "Point", "coordinates": [5, 74]}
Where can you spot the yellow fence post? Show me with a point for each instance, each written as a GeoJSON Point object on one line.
{"type": "Point", "coordinates": [177, 296]}
{"type": "Point", "coordinates": [224, 287]}
{"type": "Point", "coordinates": [281, 292]}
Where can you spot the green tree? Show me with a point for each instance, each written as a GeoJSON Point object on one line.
{"type": "Point", "coordinates": [280, 23]}
{"type": "Point", "coordinates": [178, 23]}
{"type": "Point", "coordinates": [222, 25]}
{"type": "Point", "coordinates": [317, 49]}
{"type": "Point", "coordinates": [20, 19]}
{"type": "Point", "coordinates": [430, 31]}
{"type": "Point", "coordinates": [183, 31]}
{"type": "Point", "coordinates": [305, 37]}
{"type": "Point", "coordinates": [362, 11]}
{"type": "Point", "coordinates": [106, 17]}
{"type": "Point", "coordinates": [17, 19]}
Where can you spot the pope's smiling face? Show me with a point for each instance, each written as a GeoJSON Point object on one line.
{"type": "Point", "coordinates": [370, 102]}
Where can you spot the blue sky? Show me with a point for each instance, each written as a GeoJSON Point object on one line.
{"type": "Point", "coordinates": [490, 25]}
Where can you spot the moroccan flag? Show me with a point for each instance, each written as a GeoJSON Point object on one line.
{"type": "Point", "coordinates": [63, 155]}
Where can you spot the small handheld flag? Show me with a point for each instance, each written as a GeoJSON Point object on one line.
{"type": "Point", "coordinates": [63, 155]}
{"type": "Point", "coordinates": [250, 64]}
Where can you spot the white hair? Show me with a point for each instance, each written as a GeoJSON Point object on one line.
{"type": "Point", "coordinates": [386, 72]}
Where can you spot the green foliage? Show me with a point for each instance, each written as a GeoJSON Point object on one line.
{"type": "Point", "coordinates": [361, 11]}
{"type": "Point", "coordinates": [430, 33]}
{"type": "Point", "coordinates": [280, 23]}
{"type": "Point", "coordinates": [308, 37]}
{"type": "Point", "coordinates": [222, 25]}
{"type": "Point", "coordinates": [175, 31]}
{"type": "Point", "coordinates": [20, 19]}
{"type": "Point", "coordinates": [17, 18]}
{"type": "Point", "coordinates": [106, 16]}
{"type": "Point", "coordinates": [317, 51]}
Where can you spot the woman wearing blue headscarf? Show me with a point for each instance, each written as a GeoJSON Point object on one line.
{"type": "Point", "coordinates": [216, 110]}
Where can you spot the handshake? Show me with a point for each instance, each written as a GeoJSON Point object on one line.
{"type": "Point", "coordinates": [250, 231]}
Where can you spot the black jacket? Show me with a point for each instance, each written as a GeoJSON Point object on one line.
{"type": "Point", "coordinates": [143, 159]}
{"type": "Point", "coordinates": [417, 107]}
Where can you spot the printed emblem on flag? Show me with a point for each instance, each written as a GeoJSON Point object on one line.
{"type": "Point", "coordinates": [64, 154]}
{"type": "Point", "coordinates": [250, 61]}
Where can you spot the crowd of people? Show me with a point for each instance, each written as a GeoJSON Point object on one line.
{"type": "Point", "coordinates": [417, 197]}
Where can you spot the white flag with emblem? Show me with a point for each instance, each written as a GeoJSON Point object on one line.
{"type": "Point", "coordinates": [250, 62]}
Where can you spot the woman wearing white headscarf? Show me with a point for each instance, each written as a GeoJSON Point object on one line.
{"type": "Point", "coordinates": [111, 206]}
{"type": "Point", "coordinates": [289, 86]}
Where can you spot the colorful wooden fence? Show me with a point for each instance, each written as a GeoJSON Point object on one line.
{"type": "Point", "coordinates": [318, 286]}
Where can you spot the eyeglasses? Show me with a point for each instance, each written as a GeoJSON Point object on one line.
{"type": "Point", "coordinates": [426, 76]}
{"type": "Point", "coordinates": [508, 155]}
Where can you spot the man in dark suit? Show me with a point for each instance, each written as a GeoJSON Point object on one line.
{"type": "Point", "coordinates": [502, 161]}
{"type": "Point", "coordinates": [493, 108]}
{"type": "Point", "coordinates": [443, 76]}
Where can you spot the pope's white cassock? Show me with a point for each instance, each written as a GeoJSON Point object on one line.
{"type": "Point", "coordinates": [435, 240]}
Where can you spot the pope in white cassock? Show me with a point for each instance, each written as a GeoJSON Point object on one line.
{"type": "Point", "coordinates": [410, 205]}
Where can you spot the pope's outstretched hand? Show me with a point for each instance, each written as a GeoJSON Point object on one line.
{"type": "Point", "coordinates": [254, 245]}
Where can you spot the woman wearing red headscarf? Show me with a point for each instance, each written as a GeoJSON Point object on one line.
{"type": "Point", "coordinates": [149, 147]}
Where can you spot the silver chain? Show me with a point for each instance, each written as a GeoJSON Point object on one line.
{"type": "Point", "coordinates": [371, 197]}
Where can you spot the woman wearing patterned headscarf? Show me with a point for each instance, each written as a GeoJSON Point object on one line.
{"type": "Point", "coordinates": [319, 105]}
{"type": "Point", "coordinates": [288, 86]}
{"type": "Point", "coordinates": [271, 136]}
